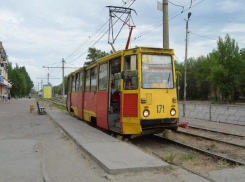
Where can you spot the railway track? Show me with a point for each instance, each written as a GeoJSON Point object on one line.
{"type": "Point", "coordinates": [211, 139]}
{"type": "Point", "coordinates": [56, 102]}
{"type": "Point", "coordinates": [161, 147]}
{"type": "Point", "coordinates": [216, 131]}
{"type": "Point", "coordinates": [205, 152]}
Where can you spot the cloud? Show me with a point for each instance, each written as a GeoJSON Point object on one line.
{"type": "Point", "coordinates": [46, 31]}
{"type": "Point", "coordinates": [8, 16]}
{"type": "Point", "coordinates": [234, 28]}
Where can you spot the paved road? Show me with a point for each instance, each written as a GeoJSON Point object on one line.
{"type": "Point", "coordinates": [34, 149]}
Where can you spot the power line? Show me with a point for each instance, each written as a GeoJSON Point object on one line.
{"type": "Point", "coordinates": [160, 23]}
{"type": "Point", "coordinates": [99, 38]}
{"type": "Point", "coordinates": [177, 5]}
{"type": "Point", "coordinates": [52, 64]}
{"type": "Point", "coordinates": [209, 37]}
{"type": "Point", "coordinates": [57, 72]}
{"type": "Point", "coordinates": [95, 33]}
{"type": "Point", "coordinates": [202, 36]}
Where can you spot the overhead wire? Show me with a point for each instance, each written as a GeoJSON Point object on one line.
{"type": "Point", "coordinates": [160, 23]}
{"type": "Point", "coordinates": [84, 43]}
{"type": "Point", "coordinates": [177, 5]}
{"type": "Point", "coordinates": [56, 68]}
{"type": "Point", "coordinates": [202, 36]}
{"type": "Point", "coordinates": [57, 73]}
{"type": "Point", "coordinates": [209, 37]}
{"type": "Point", "coordinates": [100, 37]}
{"type": "Point", "coordinates": [94, 35]}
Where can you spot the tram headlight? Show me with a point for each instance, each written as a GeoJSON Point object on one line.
{"type": "Point", "coordinates": [146, 113]}
{"type": "Point", "coordinates": [172, 112]}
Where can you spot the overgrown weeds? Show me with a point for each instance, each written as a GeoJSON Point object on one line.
{"type": "Point", "coordinates": [171, 156]}
{"type": "Point", "coordinates": [64, 136]}
{"type": "Point", "coordinates": [213, 144]}
{"type": "Point", "coordinates": [188, 156]}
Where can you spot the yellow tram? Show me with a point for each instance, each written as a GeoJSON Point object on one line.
{"type": "Point", "coordinates": [131, 92]}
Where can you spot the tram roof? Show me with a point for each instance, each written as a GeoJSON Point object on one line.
{"type": "Point", "coordinates": [123, 52]}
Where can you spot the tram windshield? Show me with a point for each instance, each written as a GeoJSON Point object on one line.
{"type": "Point", "coordinates": [157, 71]}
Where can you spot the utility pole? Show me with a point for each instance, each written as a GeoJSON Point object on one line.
{"type": "Point", "coordinates": [42, 91]}
{"type": "Point", "coordinates": [63, 70]}
{"type": "Point", "coordinates": [48, 78]}
{"type": "Point", "coordinates": [165, 25]}
{"type": "Point", "coordinates": [178, 86]}
{"type": "Point", "coordinates": [63, 75]}
{"type": "Point", "coordinates": [38, 87]}
{"type": "Point", "coordinates": [186, 51]}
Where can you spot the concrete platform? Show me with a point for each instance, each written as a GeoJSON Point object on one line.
{"type": "Point", "coordinates": [113, 155]}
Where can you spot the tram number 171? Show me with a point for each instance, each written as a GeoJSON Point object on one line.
{"type": "Point", "coordinates": [160, 108]}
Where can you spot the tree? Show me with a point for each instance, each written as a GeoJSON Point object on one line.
{"type": "Point", "coordinates": [226, 67]}
{"type": "Point", "coordinates": [21, 80]}
{"type": "Point", "coordinates": [93, 55]}
{"type": "Point", "coordinates": [59, 88]}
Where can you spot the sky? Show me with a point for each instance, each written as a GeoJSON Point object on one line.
{"type": "Point", "coordinates": [40, 33]}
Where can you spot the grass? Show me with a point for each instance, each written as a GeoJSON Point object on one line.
{"type": "Point", "coordinates": [213, 144]}
{"type": "Point", "coordinates": [222, 163]}
{"type": "Point", "coordinates": [170, 168]}
{"type": "Point", "coordinates": [171, 156]}
{"type": "Point", "coordinates": [58, 106]}
{"type": "Point", "coordinates": [64, 136]}
{"type": "Point", "coordinates": [188, 156]}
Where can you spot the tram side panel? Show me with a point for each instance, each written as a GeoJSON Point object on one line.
{"type": "Point", "coordinates": [89, 109]}
{"type": "Point", "coordinates": [101, 109]}
{"type": "Point", "coordinates": [79, 103]}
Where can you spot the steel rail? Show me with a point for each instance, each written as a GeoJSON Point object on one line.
{"type": "Point", "coordinates": [58, 103]}
{"type": "Point", "coordinates": [215, 131]}
{"type": "Point", "coordinates": [233, 161]}
{"type": "Point", "coordinates": [212, 139]}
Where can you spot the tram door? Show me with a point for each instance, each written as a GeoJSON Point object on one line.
{"type": "Point", "coordinates": [114, 95]}
{"type": "Point", "coordinates": [130, 92]}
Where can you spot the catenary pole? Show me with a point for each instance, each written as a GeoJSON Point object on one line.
{"type": "Point", "coordinates": [165, 25]}
{"type": "Point", "coordinates": [48, 78]}
{"type": "Point", "coordinates": [186, 51]}
{"type": "Point", "coordinates": [42, 91]}
{"type": "Point", "coordinates": [178, 86]}
{"type": "Point", "coordinates": [63, 68]}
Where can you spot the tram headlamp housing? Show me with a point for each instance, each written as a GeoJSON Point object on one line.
{"type": "Point", "coordinates": [172, 112]}
{"type": "Point", "coordinates": [146, 113]}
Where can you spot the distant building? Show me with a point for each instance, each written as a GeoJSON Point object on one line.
{"type": "Point", "coordinates": [5, 85]}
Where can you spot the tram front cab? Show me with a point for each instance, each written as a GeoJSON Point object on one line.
{"type": "Point", "coordinates": [149, 98]}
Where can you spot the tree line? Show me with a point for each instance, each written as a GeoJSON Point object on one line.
{"type": "Point", "coordinates": [22, 83]}
{"type": "Point", "coordinates": [59, 88]}
{"type": "Point", "coordinates": [219, 74]}
{"type": "Point", "coordinates": [92, 56]}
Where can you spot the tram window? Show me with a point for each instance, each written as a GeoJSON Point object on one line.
{"type": "Point", "coordinates": [157, 71]}
{"type": "Point", "coordinates": [77, 82]}
{"type": "Point", "coordinates": [103, 77]}
{"type": "Point", "coordinates": [87, 85]}
{"type": "Point", "coordinates": [73, 83]}
{"type": "Point", "coordinates": [131, 73]}
{"type": "Point", "coordinates": [81, 82]}
{"type": "Point", "coordinates": [94, 79]}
